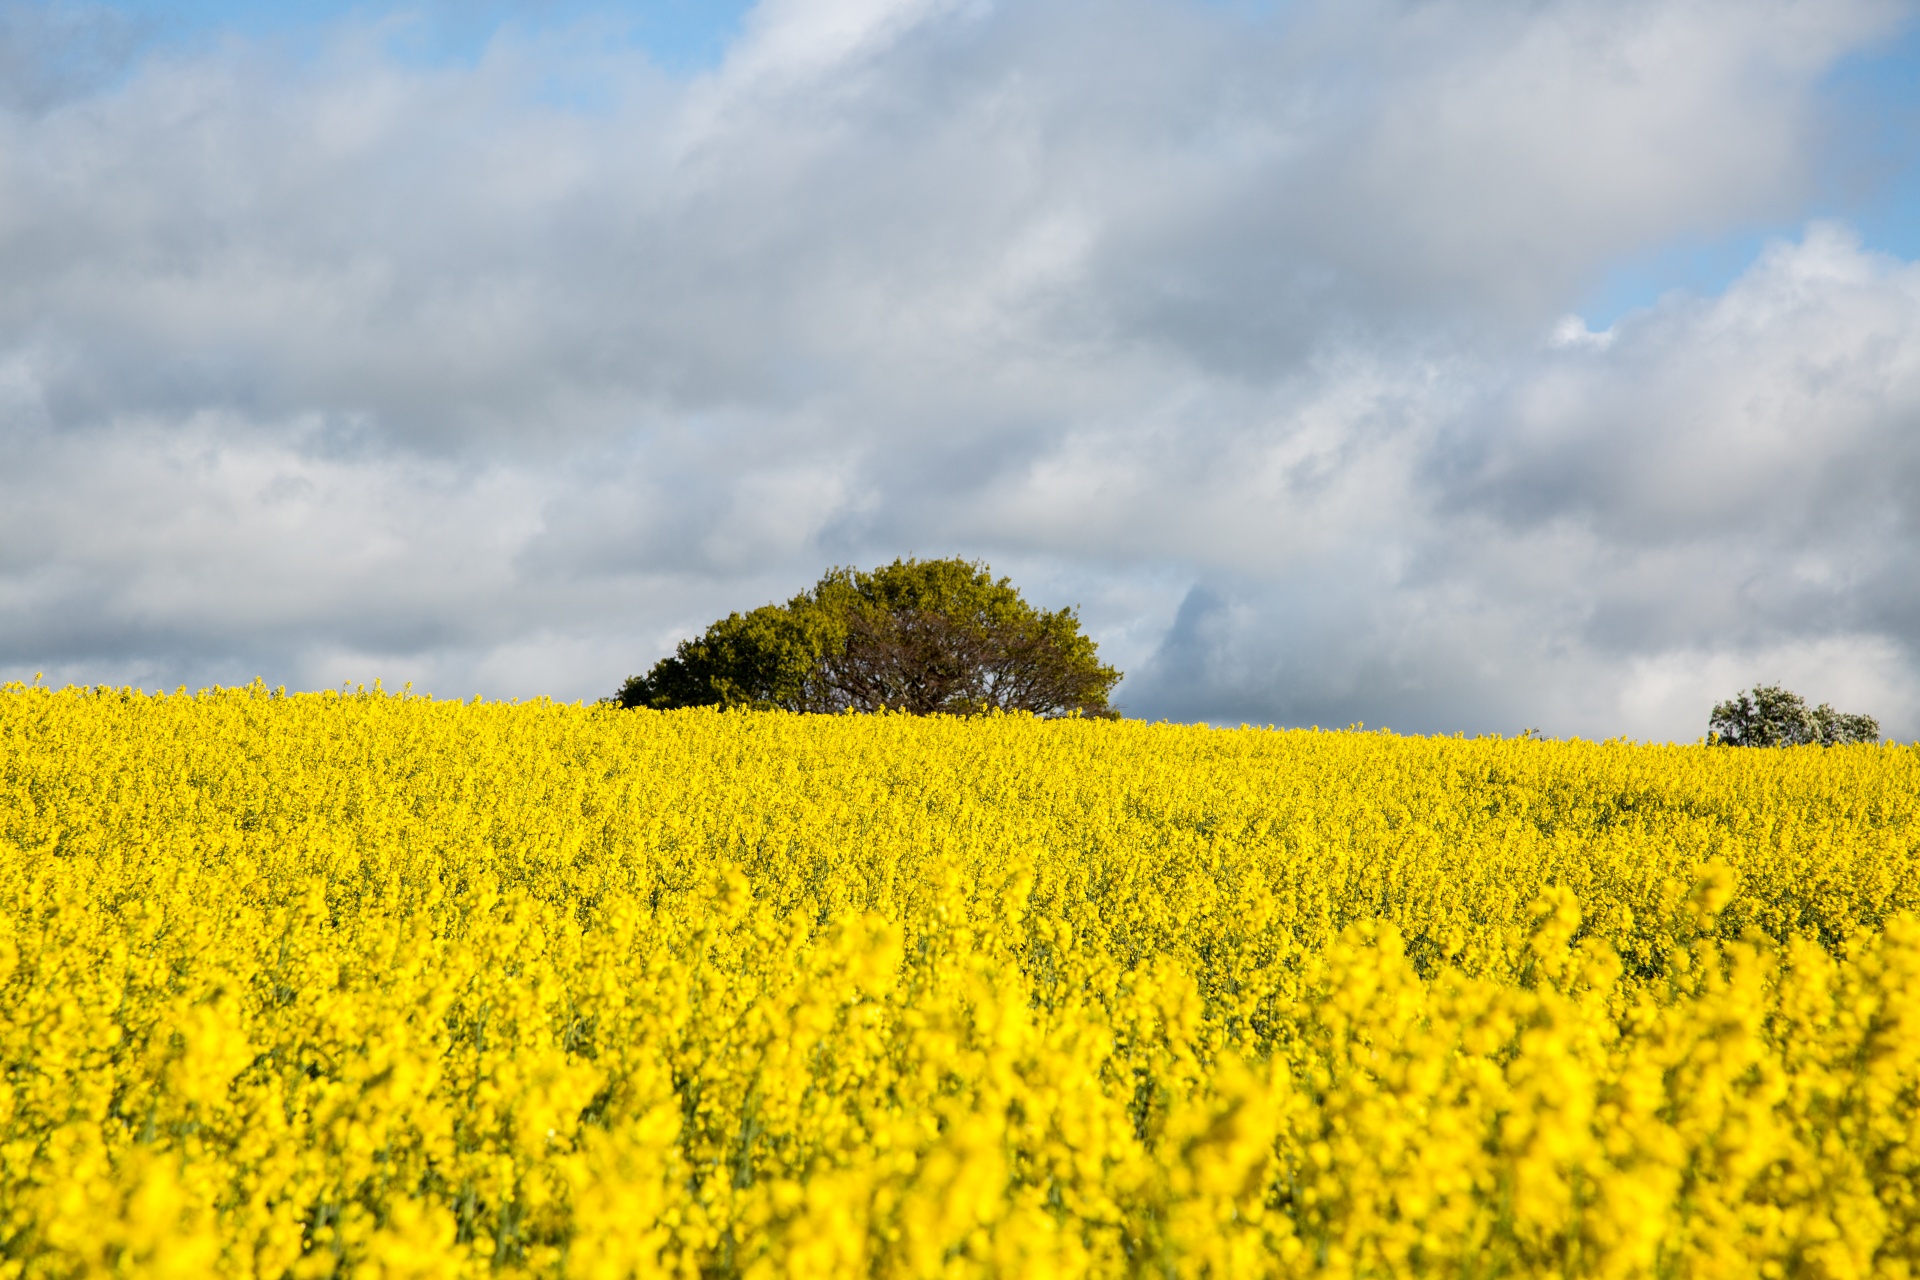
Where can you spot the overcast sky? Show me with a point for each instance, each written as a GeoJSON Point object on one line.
{"type": "Point", "coordinates": [1446, 366]}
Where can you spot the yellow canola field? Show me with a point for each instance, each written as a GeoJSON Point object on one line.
{"type": "Point", "coordinates": [384, 986]}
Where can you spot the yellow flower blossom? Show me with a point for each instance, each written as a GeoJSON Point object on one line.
{"type": "Point", "coordinates": [372, 985]}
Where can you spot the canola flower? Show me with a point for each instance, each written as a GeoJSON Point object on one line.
{"type": "Point", "coordinates": [371, 985]}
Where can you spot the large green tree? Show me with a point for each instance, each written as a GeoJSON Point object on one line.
{"type": "Point", "coordinates": [922, 636]}
{"type": "Point", "coordinates": [1770, 716]}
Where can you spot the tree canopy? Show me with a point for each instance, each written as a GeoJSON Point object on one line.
{"type": "Point", "coordinates": [921, 636]}
{"type": "Point", "coordinates": [1770, 716]}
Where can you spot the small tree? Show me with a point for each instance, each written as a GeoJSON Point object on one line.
{"type": "Point", "coordinates": [922, 636]}
{"type": "Point", "coordinates": [1770, 716]}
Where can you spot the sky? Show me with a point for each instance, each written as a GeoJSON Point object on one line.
{"type": "Point", "coordinates": [1448, 367]}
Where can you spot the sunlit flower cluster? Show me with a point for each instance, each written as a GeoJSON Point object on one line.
{"type": "Point", "coordinates": [374, 985]}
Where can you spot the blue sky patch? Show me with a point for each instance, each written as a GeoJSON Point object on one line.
{"type": "Point", "coordinates": [681, 35]}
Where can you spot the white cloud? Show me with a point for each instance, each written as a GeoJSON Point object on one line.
{"type": "Point", "coordinates": [1613, 533]}
{"type": "Point", "coordinates": [1572, 331]}
{"type": "Point", "coordinates": [344, 367]}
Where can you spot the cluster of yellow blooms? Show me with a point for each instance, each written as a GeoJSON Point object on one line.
{"type": "Point", "coordinates": [385, 986]}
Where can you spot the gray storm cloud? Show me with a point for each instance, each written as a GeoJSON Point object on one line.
{"type": "Point", "coordinates": [1239, 330]}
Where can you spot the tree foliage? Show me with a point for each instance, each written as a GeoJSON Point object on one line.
{"type": "Point", "coordinates": [1770, 716]}
{"type": "Point", "coordinates": [921, 636]}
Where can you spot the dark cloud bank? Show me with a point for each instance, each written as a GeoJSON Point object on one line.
{"type": "Point", "coordinates": [1246, 332]}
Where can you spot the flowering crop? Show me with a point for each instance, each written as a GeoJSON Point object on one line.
{"type": "Point", "coordinates": [386, 986]}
